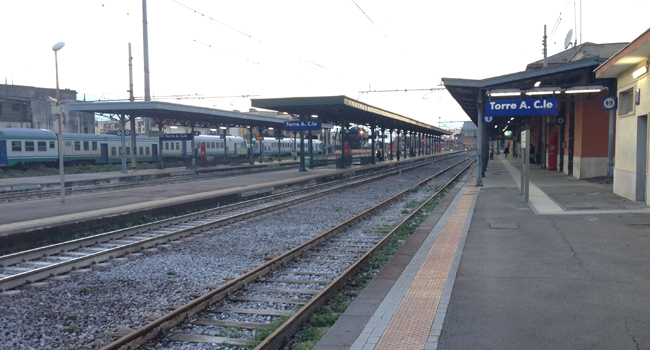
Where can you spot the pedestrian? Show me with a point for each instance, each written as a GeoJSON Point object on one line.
{"type": "Point", "coordinates": [506, 151]}
{"type": "Point", "coordinates": [532, 154]}
{"type": "Point", "coordinates": [491, 151]}
{"type": "Point", "coordinates": [379, 155]}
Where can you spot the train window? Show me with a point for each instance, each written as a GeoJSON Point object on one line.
{"type": "Point", "coordinates": [128, 151]}
{"type": "Point", "coordinates": [86, 146]}
{"type": "Point", "coordinates": [141, 151]}
{"type": "Point", "coordinates": [113, 151]}
{"type": "Point", "coordinates": [214, 145]}
{"type": "Point", "coordinates": [68, 143]}
{"type": "Point", "coordinates": [51, 144]}
{"type": "Point", "coordinates": [167, 146]}
{"type": "Point", "coordinates": [94, 145]}
{"type": "Point", "coordinates": [135, 150]}
{"type": "Point", "coordinates": [77, 145]}
{"type": "Point", "coordinates": [146, 150]}
{"type": "Point", "coordinates": [178, 146]}
{"type": "Point", "coordinates": [16, 146]}
{"type": "Point", "coordinates": [29, 146]}
{"type": "Point", "coordinates": [42, 146]}
{"type": "Point", "coordinates": [120, 150]}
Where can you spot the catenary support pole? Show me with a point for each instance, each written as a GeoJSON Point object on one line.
{"type": "Point", "coordinates": [479, 173]}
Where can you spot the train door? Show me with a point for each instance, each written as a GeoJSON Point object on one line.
{"type": "Point", "coordinates": [104, 150]}
{"type": "Point", "coordinates": [154, 152]}
{"type": "Point", "coordinates": [3, 152]}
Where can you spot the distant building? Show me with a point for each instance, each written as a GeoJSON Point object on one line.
{"type": "Point", "coordinates": [30, 107]}
{"type": "Point", "coordinates": [111, 126]}
{"type": "Point", "coordinates": [468, 134]}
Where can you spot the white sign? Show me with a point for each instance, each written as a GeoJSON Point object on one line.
{"type": "Point", "coordinates": [523, 139]}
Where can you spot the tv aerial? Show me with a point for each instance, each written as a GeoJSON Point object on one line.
{"type": "Point", "coordinates": [567, 40]}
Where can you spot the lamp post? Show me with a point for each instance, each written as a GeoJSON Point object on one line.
{"type": "Point", "coordinates": [57, 111]}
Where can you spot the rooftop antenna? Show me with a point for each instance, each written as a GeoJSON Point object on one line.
{"type": "Point", "coordinates": [567, 40]}
{"type": "Point", "coordinates": [575, 23]}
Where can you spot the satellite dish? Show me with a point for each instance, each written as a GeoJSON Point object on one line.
{"type": "Point", "coordinates": [567, 40]}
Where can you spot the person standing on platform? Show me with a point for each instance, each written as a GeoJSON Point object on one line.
{"type": "Point", "coordinates": [491, 151]}
{"type": "Point", "coordinates": [532, 154]}
{"type": "Point", "coordinates": [506, 151]}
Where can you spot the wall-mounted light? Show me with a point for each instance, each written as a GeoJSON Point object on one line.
{"type": "Point", "coordinates": [639, 72]}
{"type": "Point", "coordinates": [223, 127]}
{"type": "Point", "coordinates": [537, 84]}
{"type": "Point", "coordinates": [173, 127]}
{"type": "Point", "coordinates": [314, 116]}
{"type": "Point", "coordinates": [213, 129]}
{"type": "Point", "coordinates": [584, 89]}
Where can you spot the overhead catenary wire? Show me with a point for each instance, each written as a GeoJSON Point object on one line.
{"type": "Point", "coordinates": [212, 18]}
{"type": "Point", "coordinates": [364, 12]}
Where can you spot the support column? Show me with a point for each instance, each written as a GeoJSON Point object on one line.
{"type": "Point", "coordinates": [544, 143]}
{"type": "Point", "coordinates": [295, 143]}
{"type": "Point", "coordinates": [479, 153]}
{"type": "Point", "coordinates": [251, 150]}
{"type": "Point", "coordinates": [302, 153]}
{"type": "Point", "coordinates": [374, 140]}
{"type": "Point", "coordinates": [134, 161]}
{"type": "Point", "coordinates": [260, 130]}
{"type": "Point", "coordinates": [406, 147]}
{"type": "Point", "coordinates": [390, 135]}
{"type": "Point", "coordinates": [161, 162]}
{"type": "Point", "coordinates": [311, 150]}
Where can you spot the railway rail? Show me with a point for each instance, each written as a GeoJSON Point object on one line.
{"type": "Point", "coordinates": [294, 284]}
{"type": "Point", "coordinates": [37, 264]}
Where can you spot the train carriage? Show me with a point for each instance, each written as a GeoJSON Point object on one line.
{"type": "Point", "coordinates": [27, 146]}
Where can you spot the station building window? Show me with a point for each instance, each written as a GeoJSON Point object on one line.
{"type": "Point", "coordinates": [16, 146]}
{"type": "Point", "coordinates": [29, 146]}
{"type": "Point", "coordinates": [626, 102]}
{"type": "Point", "coordinates": [42, 146]}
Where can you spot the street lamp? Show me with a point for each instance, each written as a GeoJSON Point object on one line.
{"type": "Point", "coordinates": [56, 110]}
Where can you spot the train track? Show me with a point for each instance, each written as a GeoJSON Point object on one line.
{"type": "Point", "coordinates": [41, 263]}
{"type": "Point", "coordinates": [294, 285]}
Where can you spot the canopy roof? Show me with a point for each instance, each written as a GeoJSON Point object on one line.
{"type": "Point", "coordinates": [340, 110]}
{"type": "Point", "coordinates": [177, 114]}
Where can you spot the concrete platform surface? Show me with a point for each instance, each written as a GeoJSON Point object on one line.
{"type": "Point", "coordinates": [569, 270]}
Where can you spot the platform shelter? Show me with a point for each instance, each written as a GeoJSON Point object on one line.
{"type": "Point", "coordinates": [575, 137]}
{"type": "Point", "coordinates": [165, 113]}
{"type": "Point", "coordinates": [342, 111]}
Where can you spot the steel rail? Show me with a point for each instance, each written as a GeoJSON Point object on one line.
{"type": "Point", "coordinates": [36, 274]}
{"type": "Point", "coordinates": [148, 332]}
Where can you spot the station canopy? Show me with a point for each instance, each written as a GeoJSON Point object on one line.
{"type": "Point", "coordinates": [341, 110]}
{"type": "Point", "coordinates": [177, 114]}
{"type": "Point", "coordinates": [555, 78]}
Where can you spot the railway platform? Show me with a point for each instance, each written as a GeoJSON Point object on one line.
{"type": "Point", "coordinates": [568, 270]}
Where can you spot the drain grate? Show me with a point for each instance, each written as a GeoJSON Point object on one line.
{"type": "Point", "coordinates": [504, 225]}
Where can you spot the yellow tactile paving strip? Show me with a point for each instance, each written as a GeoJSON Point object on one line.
{"type": "Point", "coordinates": [410, 325]}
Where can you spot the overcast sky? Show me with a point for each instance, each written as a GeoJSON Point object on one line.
{"type": "Point", "coordinates": [287, 48]}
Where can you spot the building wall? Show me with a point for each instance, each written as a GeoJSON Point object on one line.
{"type": "Point", "coordinates": [30, 107]}
{"type": "Point", "coordinates": [626, 135]}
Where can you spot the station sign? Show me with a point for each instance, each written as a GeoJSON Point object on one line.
{"type": "Point", "coordinates": [178, 137]}
{"type": "Point", "coordinates": [302, 125]}
{"type": "Point", "coordinates": [126, 132]}
{"type": "Point", "coordinates": [520, 108]}
{"type": "Point", "coordinates": [260, 138]}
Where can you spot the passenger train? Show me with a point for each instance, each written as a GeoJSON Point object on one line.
{"type": "Point", "coordinates": [270, 146]}
{"type": "Point", "coordinates": [23, 147]}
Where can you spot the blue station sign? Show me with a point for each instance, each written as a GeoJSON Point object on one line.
{"type": "Point", "coordinates": [178, 137]}
{"type": "Point", "coordinates": [521, 108]}
{"type": "Point", "coordinates": [302, 125]}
